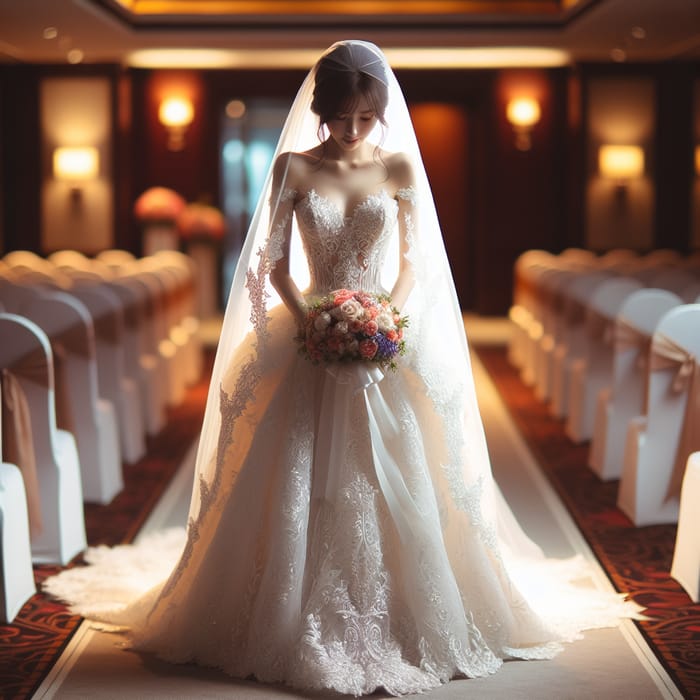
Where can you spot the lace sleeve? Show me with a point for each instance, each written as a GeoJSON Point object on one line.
{"type": "Point", "coordinates": [282, 209]}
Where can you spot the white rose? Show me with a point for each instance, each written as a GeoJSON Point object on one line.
{"type": "Point", "coordinates": [352, 310]}
{"type": "Point", "coordinates": [385, 321]}
{"type": "Point", "coordinates": [353, 348]}
{"type": "Point", "coordinates": [322, 321]}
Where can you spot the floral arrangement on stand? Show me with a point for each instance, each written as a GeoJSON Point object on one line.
{"type": "Point", "coordinates": [159, 205]}
{"type": "Point", "coordinates": [157, 210]}
{"type": "Point", "coordinates": [347, 326]}
{"type": "Point", "coordinates": [201, 221]}
{"type": "Point", "coordinates": [201, 228]}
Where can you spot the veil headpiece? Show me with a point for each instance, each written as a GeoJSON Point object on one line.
{"type": "Point", "coordinates": [437, 350]}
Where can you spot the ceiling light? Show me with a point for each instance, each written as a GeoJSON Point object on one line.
{"type": "Point", "coordinates": [75, 56]}
{"type": "Point", "coordinates": [419, 58]}
{"type": "Point", "coordinates": [618, 55]}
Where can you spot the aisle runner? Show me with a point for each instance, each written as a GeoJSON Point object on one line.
{"type": "Point", "coordinates": [636, 559]}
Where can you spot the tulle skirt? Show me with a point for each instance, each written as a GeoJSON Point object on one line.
{"type": "Point", "coordinates": [331, 550]}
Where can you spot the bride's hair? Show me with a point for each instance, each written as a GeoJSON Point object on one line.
{"type": "Point", "coordinates": [346, 73]}
{"type": "Point", "coordinates": [342, 76]}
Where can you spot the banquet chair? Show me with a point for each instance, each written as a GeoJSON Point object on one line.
{"type": "Point", "coordinates": [183, 326]}
{"type": "Point", "coordinates": [580, 256]}
{"type": "Point", "coordinates": [520, 312]}
{"type": "Point", "coordinates": [26, 361]}
{"type": "Point", "coordinates": [114, 385]}
{"type": "Point", "coordinates": [657, 446]}
{"type": "Point", "coordinates": [135, 318]}
{"type": "Point", "coordinates": [591, 371]}
{"type": "Point", "coordinates": [27, 259]}
{"type": "Point", "coordinates": [617, 259]}
{"type": "Point", "coordinates": [686, 553]}
{"type": "Point", "coordinates": [115, 258]}
{"type": "Point", "coordinates": [170, 354]}
{"type": "Point", "coordinates": [675, 280]}
{"type": "Point", "coordinates": [569, 348]}
{"type": "Point", "coordinates": [93, 421]}
{"type": "Point", "coordinates": [151, 368]}
{"type": "Point", "coordinates": [551, 321]}
{"type": "Point", "coordinates": [624, 399]}
{"type": "Point", "coordinates": [16, 574]}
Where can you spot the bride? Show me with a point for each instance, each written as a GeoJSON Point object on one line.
{"type": "Point", "coordinates": [345, 530]}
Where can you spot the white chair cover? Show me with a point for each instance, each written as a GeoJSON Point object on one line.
{"type": "Point", "coordinates": [16, 574]}
{"type": "Point", "coordinates": [657, 449]}
{"type": "Point", "coordinates": [69, 327]}
{"type": "Point", "coordinates": [591, 371]}
{"type": "Point", "coordinates": [574, 296]}
{"type": "Point", "coordinates": [26, 354]}
{"type": "Point", "coordinates": [634, 327]}
{"type": "Point", "coordinates": [108, 320]}
{"type": "Point", "coordinates": [686, 554]}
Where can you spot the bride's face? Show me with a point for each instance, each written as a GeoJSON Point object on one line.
{"type": "Point", "coordinates": [350, 129]}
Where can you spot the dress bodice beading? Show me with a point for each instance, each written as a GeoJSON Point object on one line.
{"type": "Point", "coordinates": [345, 250]}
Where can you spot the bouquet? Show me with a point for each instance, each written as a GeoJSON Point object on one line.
{"type": "Point", "coordinates": [349, 325]}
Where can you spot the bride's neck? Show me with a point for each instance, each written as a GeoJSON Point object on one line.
{"type": "Point", "coordinates": [351, 159]}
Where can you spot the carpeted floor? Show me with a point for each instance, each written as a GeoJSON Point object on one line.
{"type": "Point", "coordinates": [636, 559]}
{"type": "Point", "coordinates": [35, 639]}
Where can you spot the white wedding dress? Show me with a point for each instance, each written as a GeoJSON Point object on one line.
{"type": "Point", "coordinates": [335, 548]}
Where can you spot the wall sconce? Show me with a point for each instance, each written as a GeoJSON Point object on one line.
{"type": "Point", "coordinates": [621, 163]}
{"type": "Point", "coordinates": [523, 113]}
{"type": "Point", "coordinates": [76, 165]}
{"type": "Point", "coordinates": [176, 114]}
{"type": "Point", "coordinates": [697, 160]}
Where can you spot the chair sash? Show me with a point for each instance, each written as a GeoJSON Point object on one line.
{"type": "Point", "coordinates": [666, 354]}
{"type": "Point", "coordinates": [72, 340]}
{"type": "Point", "coordinates": [627, 337]}
{"type": "Point", "coordinates": [600, 328]}
{"type": "Point", "coordinates": [18, 442]}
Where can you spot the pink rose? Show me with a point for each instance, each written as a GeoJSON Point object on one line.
{"type": "Point", "coordinates": [340, 296]}
{"type": "Point", "coordinates": [371, 328]}
{"type": "Point", "coordinates": [355, 326]}
{"type": "Point", "coordinates": [393, 336]}
{"type": "Point", "coordinates": [364, 299]}
{"type": "Point", "coordinates": [368, 349]}
{"type": "Point", "coordinates": [372, 312]}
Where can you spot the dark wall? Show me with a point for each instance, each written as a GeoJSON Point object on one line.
{"type": "Point", "coordinates": [502, 202]}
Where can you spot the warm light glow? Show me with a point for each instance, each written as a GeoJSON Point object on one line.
{"type": "Point", "coordinates": [176, 112]}
{"type": "Point", "coordinates": [409, 57]}
{"type": "Point", "coordinates": [523, 112]}
{"type": "Point", "coordinates": [621, 162]}
{"type": "Point", "coordinates": [697, 160]}
{"type": "Point", "coordinates": [75, 163]}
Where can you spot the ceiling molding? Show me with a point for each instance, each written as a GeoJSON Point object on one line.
{"type": "Point", "coordinates": [196, 15]}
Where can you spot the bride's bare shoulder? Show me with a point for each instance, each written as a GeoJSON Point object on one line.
{"type": "Point", "coordinates": [400, 168]}
{"type": "Point", "coordinates": [295, 167]}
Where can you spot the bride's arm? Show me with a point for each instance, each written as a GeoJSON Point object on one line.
{"type": "Point", "coordinates": [408, 220]}
{"type": "Point", "coordinates": [282, 199]}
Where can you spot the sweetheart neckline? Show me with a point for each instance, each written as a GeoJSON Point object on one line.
{"type": "Point", "coordinates": [382, 194]}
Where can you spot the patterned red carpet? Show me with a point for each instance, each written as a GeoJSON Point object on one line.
{"type": "Point", "coordinates": [636, 559]}
{"type": "Point", "coordinates": [30, 646]}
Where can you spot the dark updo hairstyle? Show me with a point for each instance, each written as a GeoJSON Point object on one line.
{"type": "Point", "coordinates": [343, 75]}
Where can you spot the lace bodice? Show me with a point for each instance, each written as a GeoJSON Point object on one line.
{"type": "Point", "coordinates": [345, 250]}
